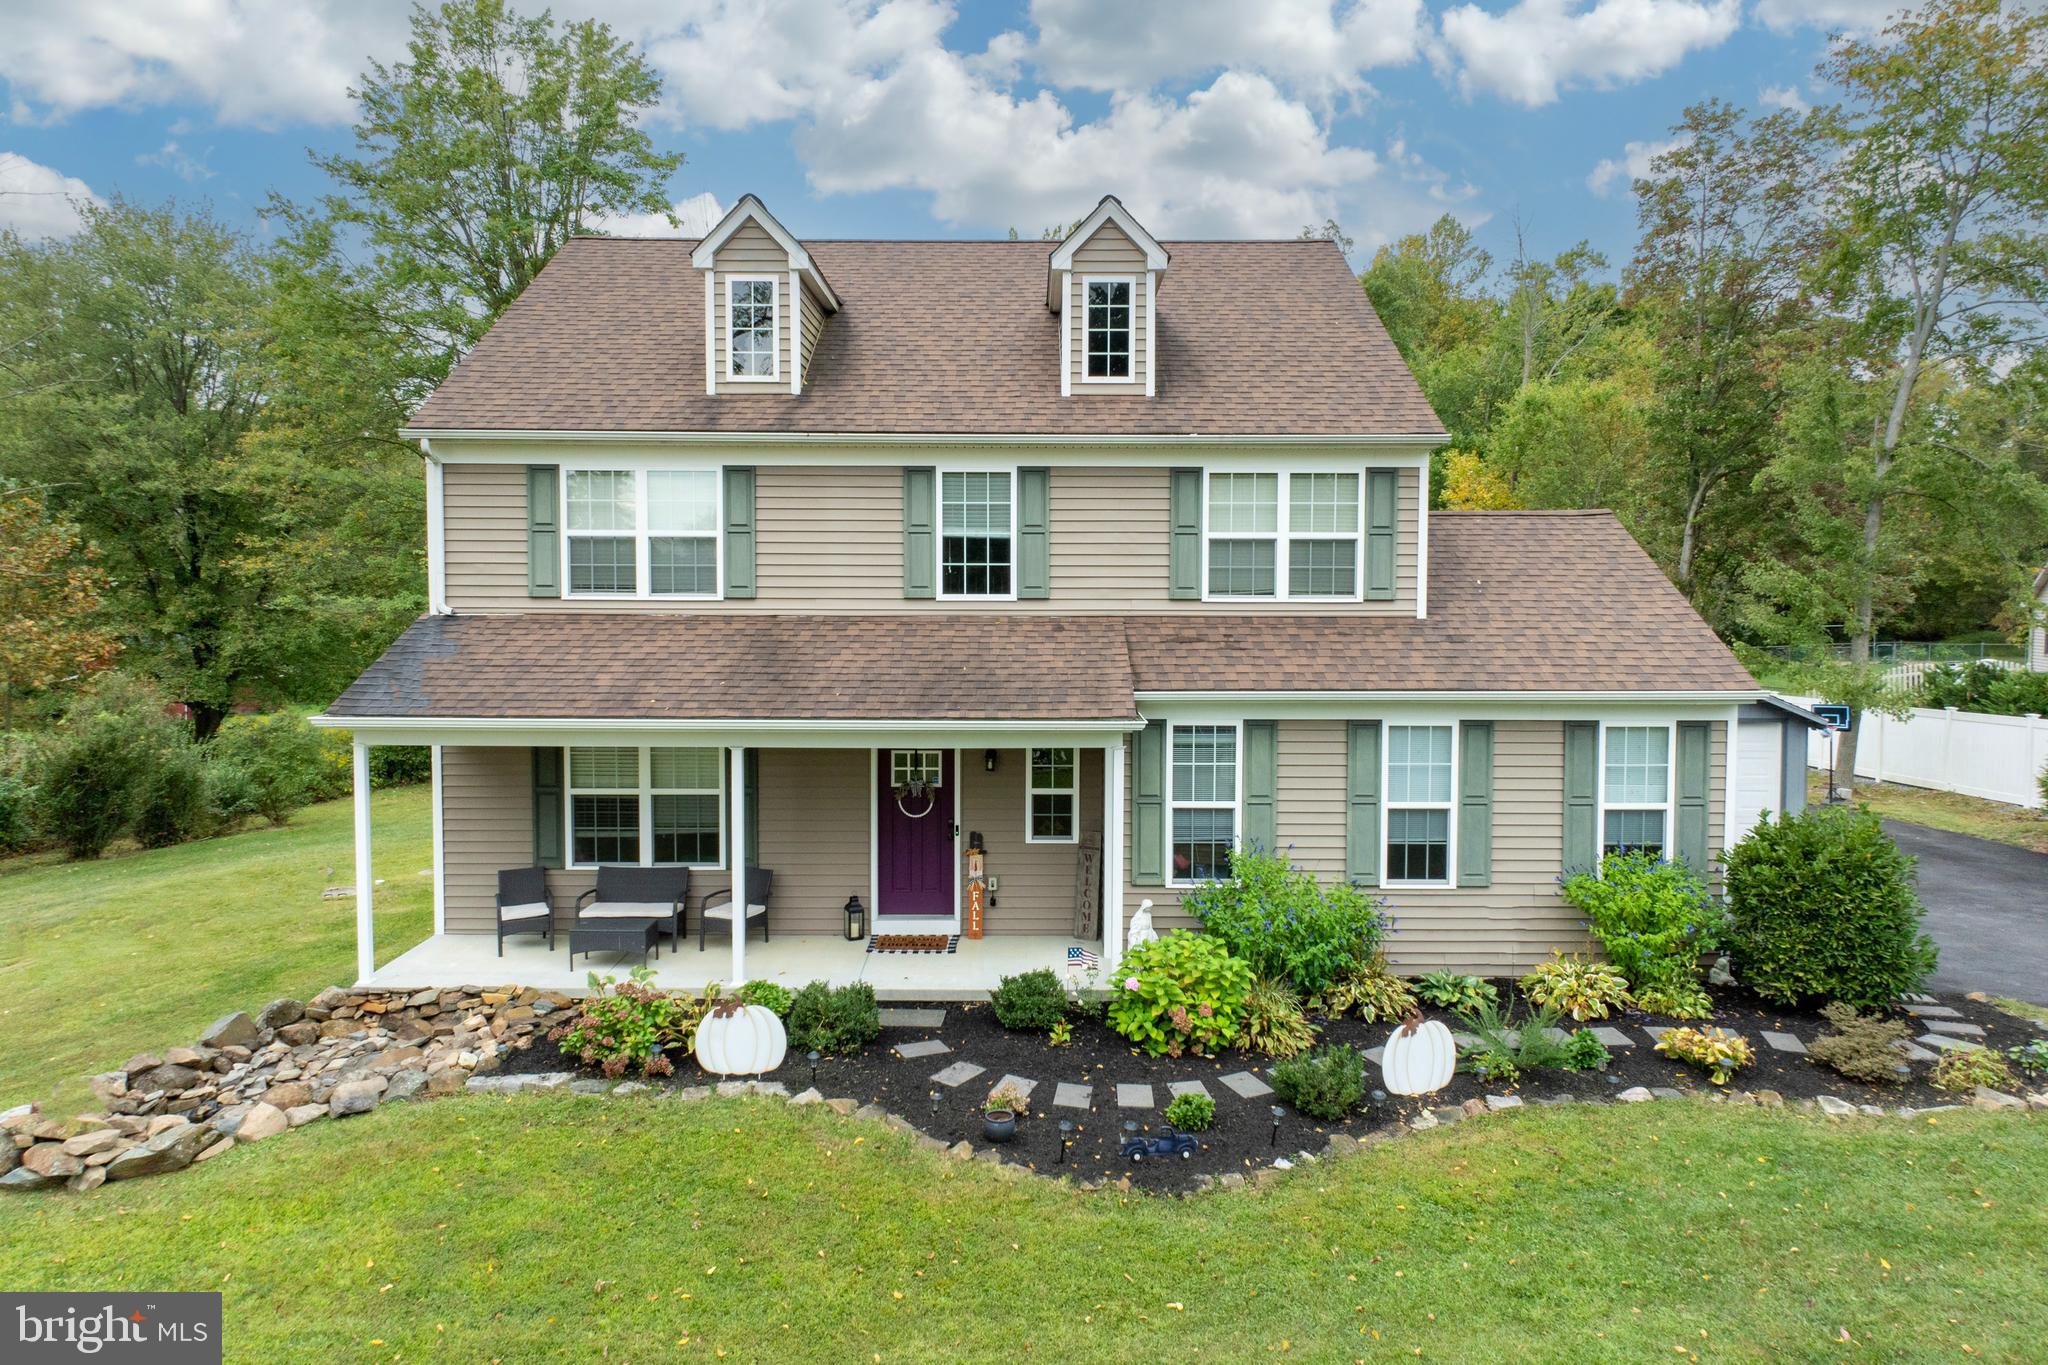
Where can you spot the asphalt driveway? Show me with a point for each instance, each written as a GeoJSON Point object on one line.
{"type": "Point", "coordinates": [1987, 909]}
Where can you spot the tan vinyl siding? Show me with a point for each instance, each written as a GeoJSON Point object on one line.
{"type": "Point", "coordinates": [486, 826]}
{"type": "Point", "coordinates": [1108, 252]}
{"type": "Point", "coordinates": [814, 834]}
{"type": "Point", "coordinates": [1035, 892]}
{"type": "Point", "coordinates": [830, 539]}
{"type": "Point", "coordinates": [1497, 930]}
{"type": "Point", "coordinates": [813, 328]}
{"type": "Point", "coordinates": [750, 252]}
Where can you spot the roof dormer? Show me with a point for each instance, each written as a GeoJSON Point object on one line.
{"type": "Point", "coordinates": [765, 303]}
{"type": "Point", "coordinates": [1104, 283]}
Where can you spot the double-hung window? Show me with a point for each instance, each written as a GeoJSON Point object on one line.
{"type": "Point", "coordinates": [1203, 798]}
{"type": "Point", "coordinates": [646, 806]}
{"type": "Point", "coordinates": [1419, 767]}
{"type": "Point", "coordinates": [1054, 797]}
{"type": "Point", "coordinates": [1108, 329]}
{"type": "Point", "coordinates": [1283, 536]}
{"type": "Point", "coordinates": [1635, 789]}
{"type": "Point", "coordinates": [750, 328]}
{"type": "Point", "coordinates": [977, 530]}
{"type": "Point", "coordinates": [642, 533]}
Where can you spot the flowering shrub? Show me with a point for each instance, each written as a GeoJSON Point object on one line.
{"type": "Point", "coordinates": [1584, 990]}
{"type": "Point", "coordinates": [630, 1024]}
{"type": "Point", "coordinates": [1181, 992]}
{"type": "Point", "coordinates": [1653, 918]}
{"type": "Point", "coordinates": [1715, 1051]}
{"type": "Point", "coordinates": [1279, 919]}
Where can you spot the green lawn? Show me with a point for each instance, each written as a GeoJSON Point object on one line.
{"type": "Point", "coordinates": [139, 951]}
{"type": "Point", "coordinates": [558, 1228]}
{"type": "Point", "coordinates": [1952, 811]}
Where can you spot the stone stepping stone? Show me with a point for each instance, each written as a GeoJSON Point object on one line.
{"type": "Point", "coordinates": [924, 1047]}
{"type": "Point", "coordinates": [958, 1074]}
{"type": "Point", "coordinates": [1913, 1052]}
{"type": "Point", "coordinates": [1784, 1042]}
{"type": "Point", "coordinates": [1916, 998]}
{"type": "Point", "coordinates": [1933, 1011]}
{"type": "Point", "coordinates": [1069, 1095]}
{"type": "Point", "coordinates": [1942, 1040]}
{"type": "Point", "coordinates": [1179, 1088]}
{"type": "Point", "coordinates": [1613, 1037]}
{"type": "Point", "coordinates": [1656, 1031]}
{"type": "Point", "coordinates": [1021, 1085]}
{"type": "Point", "coordinates": [1376, 1055]}
{"type": "Point", "coordinates": [1960, 1030]}
{"type": "Point", "coordinates": [906, 1018]}
{"type": "Point", "coordinates": [1245, 1085]}
{"type": "Point", "coordinates": [1465, 1040]}
{"type": "Point", "coordinates": [1133, 1096]}
{"type": "Point", "coordinates": [1558, 1035]}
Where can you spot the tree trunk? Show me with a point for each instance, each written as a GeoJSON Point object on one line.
{"type": "Point", "coordinates": [206, 719]}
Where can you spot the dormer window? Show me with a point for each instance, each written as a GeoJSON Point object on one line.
{"type": "Point", "coordinates": [1109, 329]}
{"type": "Point", "coordinates": [750, 314]}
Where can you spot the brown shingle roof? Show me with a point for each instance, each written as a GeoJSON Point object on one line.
{"type": "Point", "coordinates": [941, 338]}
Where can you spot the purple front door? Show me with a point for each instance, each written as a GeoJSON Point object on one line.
{"type": "Point", "coordinates": [914, 834]}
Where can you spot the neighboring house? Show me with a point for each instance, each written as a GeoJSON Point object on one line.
{"type": "Point", "coordinates": [1122, 546]}
{"type": "Point", "coordinates": [2037, 638]}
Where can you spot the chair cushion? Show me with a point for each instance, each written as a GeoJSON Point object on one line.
{"type": "Point", "coordinates": [628, 910]}
{"type": "Point", "coordinates": [533, 911]}
{"type": "Point", "coordinates": [723, 910]}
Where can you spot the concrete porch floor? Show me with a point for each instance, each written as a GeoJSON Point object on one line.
{"type": "Point", "coordinates": [967, 973]}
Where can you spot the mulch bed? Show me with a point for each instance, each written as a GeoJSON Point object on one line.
{"type": "Point", "coordinates": [1243, 1139]}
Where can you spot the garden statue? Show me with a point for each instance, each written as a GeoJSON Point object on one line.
{"type": "Point", "coordinates": [1141, 926]}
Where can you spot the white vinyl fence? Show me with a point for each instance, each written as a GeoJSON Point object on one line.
{"type": "Point", "coordinates": [1996, 757]}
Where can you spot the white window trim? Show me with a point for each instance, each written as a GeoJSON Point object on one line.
{"type": "Point", "coordinates": [1667, 806]}
{"type": "Point", "coordinates": [774, 375]}
{"type": "Point", "coordinates": [939, 531]}
{"type": "Point", "coordinates": [640, 533]}
{"type": "Point", "coordinates": [1235, 805]}
{"type": "Point", "coordinates": [1131, 347]}
{"type": "Point", "coordinates": [646, 793]}
{"type": "Point", "coordinates": [1388, 805]}
{"type": "Point", "coordinates": [1283, 535]}
{"type": "Point", "coordinates": [1031, 790]}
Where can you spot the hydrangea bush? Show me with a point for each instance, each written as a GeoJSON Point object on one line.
{"type": "Point", "coordinates": [1182, 992]}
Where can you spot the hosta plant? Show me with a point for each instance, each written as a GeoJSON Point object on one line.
{"type": "Point", "coordinates": [1273, 1021]}
{"type": "Point", "coordinates": [1584, 990]}
{"type": "Point", "coordinates": [1372, 990]}
{"type": "Point", "coordinates": [2031, 1057]}
{"type": "Point", "coordinates": [1179, 993]}
{"type": "Point", "coordinates": [1964, 1069]}
{"type": "Point", "coordinates": [1452, 991]}
{"type": "Point", "coordinates": [1715, 1051]}
{"type": "Point", "coordinates": [1674, 1000]}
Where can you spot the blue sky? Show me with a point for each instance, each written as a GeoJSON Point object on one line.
{"type": "Point", "coordinates": [920, 118]}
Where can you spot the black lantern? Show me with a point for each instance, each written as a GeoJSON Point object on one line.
{"type": "Point", "coordinates": [856, 920]}
{"type": "Point", "coordinates": [988, 759]}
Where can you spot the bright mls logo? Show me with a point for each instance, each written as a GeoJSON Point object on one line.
{"type": "Point", "coordinates": [164, 1329]}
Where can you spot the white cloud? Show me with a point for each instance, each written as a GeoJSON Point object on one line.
{"type": "Point", "coordinates": [1847, 16]}
{"type": "Point", "coordinates": [178, 162]}
{"type": "Point", "coordinates": [1632, 165]}
{"type": "Point", "coordinates": [36, 201]}
{"type": "Point", "coordinates": [1786, 97]}
{"type": "Point", "coordinates": [1532, 51]}
{"type": "Point", "coordinates": [694, 217]}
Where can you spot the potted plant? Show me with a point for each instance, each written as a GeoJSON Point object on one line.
{"type": "Point", "coordinates": [999, 1114]}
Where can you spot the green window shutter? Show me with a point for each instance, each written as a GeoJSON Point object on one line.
{"type": "Point", "coordinates": [1148, 805]}
{"type": "Point", "coordinates": [547, 807]}
{"type": "Point", "coordinates": [1184, 556]}
{"type": "Point", "coordinates": [1261, 782]}
{"type": "Point", "coordinates": [920, 532]}
{"type": "Point", "coordinates": [1362, 804]}
{"type": "Point", "coordinates": [543, 532]}
{"type": "Point", "coordinates": [1034, 533]}
{"type": "Point", "coordinates": [1382, 522]}
{"type": "Point", "coordinates": [1695, 778]}
{"type": "Point", "coordinates": [1475, 803]}
{"type": "Point", "coordinates": [1581, 796]}
{"type": "Point", "coordinates": [739, 532]}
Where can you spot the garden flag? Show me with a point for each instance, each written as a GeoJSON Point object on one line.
{"type": "Point", "coordinates": [1082, 958]}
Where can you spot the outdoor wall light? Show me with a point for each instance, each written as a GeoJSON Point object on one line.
{"type": "Point", "coordinates": [988, 759]}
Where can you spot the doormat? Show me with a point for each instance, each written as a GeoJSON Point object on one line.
{"type": "Point", "coordinates": [913, 943]}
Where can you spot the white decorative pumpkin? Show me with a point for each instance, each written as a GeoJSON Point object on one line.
{"type": "Point", "coordinates": [1141, 926]}
{"type": "Point", "coordinates": [741, 1040]}
{"type": "Point", "coordinates": [1419, 1058]}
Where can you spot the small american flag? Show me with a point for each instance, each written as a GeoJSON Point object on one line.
{"type": "Point", "coordinates": [1081, 957]}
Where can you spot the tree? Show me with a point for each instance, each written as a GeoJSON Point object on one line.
{"type": "Point", "coordinates": [50, 590]}
{"type": "Point", "coordinates": [1942, 189]}
{"type": "Point", "coordinates": [1430, 289]}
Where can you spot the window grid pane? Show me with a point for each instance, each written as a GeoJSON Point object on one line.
{"type": "Point", "coordinates": [602, 564]}
{"type": "Point", "coordinates": [1052, 769]}
{"type": "Point", "coordinates": [1244, 504]}
{"type": "Point", "coordinates": [1205, 763]}
{"type": "Point", "coordinates": [684, 769]}
{"type": "Point", "coordinates": [617, 768]}
{"type": "Point", "coordinates": [1322, 503]}
{"type": "Point", "coordinates": [1322, 568]}
{"type": "Point", "coordinates": [686, 829]}
{"type": "Point", "coordinates": [600, 500]}
{"type": "Point", "coordinates": [924, 765]}
{"type": "Point", "coordinates": [607, 829]}
{"type": "Point", "coordinates": [1241, 568]}
{"type": "Point", "coordinates": [974, 521]}
{"type": "Point", "coordinates": [1109, 330]}
{"type": "Point", "coordinates": [1418, 845]}
{"type": "Point", "coordinates": [753, 326]}
{"type": "Point", "coordinates": [1052, 815]}
{"type": "Point", "coordinates": [1634, 830]}
{"type": "Point", "coordinates": [1202, 840]}
{"type": "Point", "coordinates": [676, 565]}
{"type": "Point", "coordinates": [1638, 765]}
{"type": "Point", "coordinates": [682, 500]}
{"type": "Point", "coordinates": [1418, 763]}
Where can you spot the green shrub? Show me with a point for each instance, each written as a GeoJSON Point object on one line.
{"type": "Point", "coordinates": [1715, 1051]}
{"type": "Point", "coordinates": [1584, 1051]}
{"type": "Point", "coordinates": [1985, 688]}
{"type": "Point", "coordinates": [85, 794]}
{"type": "Point", "coordinates": [777, 998]}
{"type": "Point", "coordinates": [17, 793]}
{"type": "Point", "coordinates": [2030, 1057]}
{"type": "Point", "coordinates": [827, 1019]}
{"type": "Point", "coordinates": [400, 765]}
{"type": "Point", "coordinates": [1371, 988]}
{"type": "Point", "coordinates": [1032, 1001]}
{"type": "Point", "coordinates": [1279, 919]}
{"type": "Point", "coordinates": [1862, 1046]}
{"type": "Point", "coordinates": [629, 1025]}
{"type": "Point", "coordinates": [171, 796]}
{"type": "Point", "coordinates": [277, 761]}
{"type": "Point", "coordinates": [1448, 990]}
{"type": "Point", "coordinates": [1191, 1112]}
{"type": "Point", "coordinates": [1821, 906]}
{"type": "Point", "coordinates": [1273, 1022]}
{"type": "Point", "coordinates": [1964, 1069]}
{"type": "Point", "coordinates": [1584, 990]}
{"type": "Point", "coordinates": [1653, 918]}
{"type": "Point", "coordinates": [1326, 1084]}
{"type": "Point", "coordinates": [1181, 992]}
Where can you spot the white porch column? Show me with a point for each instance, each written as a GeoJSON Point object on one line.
{"type": "Point", "coordinates": [366, 933]}
{"type": "Point", "coordinates": [1112, 854]}
{"type": "Point", "coordinates": [738, 863]}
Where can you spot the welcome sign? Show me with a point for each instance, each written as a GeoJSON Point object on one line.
{"type": "Point", "coordinates": [122, 1329]}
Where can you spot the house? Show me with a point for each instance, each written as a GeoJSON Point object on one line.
{"type": "Point", "coordinates": [1097, 558]}
{"type": "Point", "coordinates": [2037, 638]}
